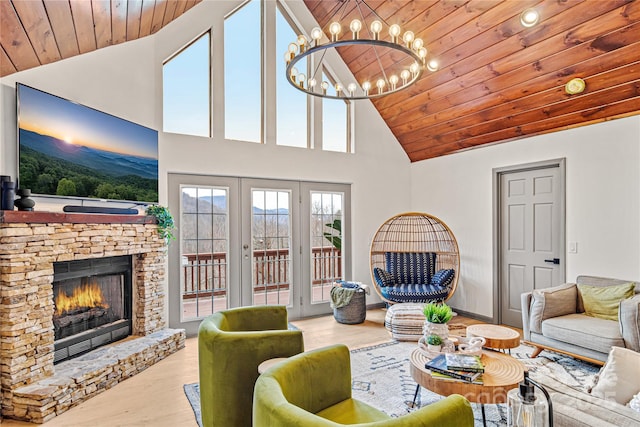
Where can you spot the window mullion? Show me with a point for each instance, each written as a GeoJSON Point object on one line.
{"type": "Point", "coordinates": [269, 58]}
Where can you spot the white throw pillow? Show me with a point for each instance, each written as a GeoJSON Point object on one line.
{"type": "Point", "coordinates": [618, 378]}
{"type": "Point", "coordinates": [635, 403]}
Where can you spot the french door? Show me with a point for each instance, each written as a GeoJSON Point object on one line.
{"type": "Point", "coordinates": [243, 241]}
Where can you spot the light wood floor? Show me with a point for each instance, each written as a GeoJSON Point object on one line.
{"type": "Point", "coordinates": [155, 397]}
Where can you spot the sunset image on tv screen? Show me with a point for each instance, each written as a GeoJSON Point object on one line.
{"type": "Point", "coordinates": [68, 149]}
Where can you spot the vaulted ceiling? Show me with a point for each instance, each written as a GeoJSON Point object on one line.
{"type": "Point", "coordinates": [38, 32]}
{"type": "Point", "coordinates": [497, 80]}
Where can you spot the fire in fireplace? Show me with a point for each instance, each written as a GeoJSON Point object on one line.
{"type": "Point", "coordinates": [92, 300]}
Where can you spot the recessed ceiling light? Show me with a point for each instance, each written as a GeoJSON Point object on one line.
{"type": "Point", "coordinates": [575, 86]}
{"type": "Point", "coordinates": [529, 18]}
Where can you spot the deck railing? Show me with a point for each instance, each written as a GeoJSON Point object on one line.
{"type": "Point", "coordinates": [206, 273]}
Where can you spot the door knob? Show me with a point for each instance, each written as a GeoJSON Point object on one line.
{"type": "Point", "coordinates": [554, 261]}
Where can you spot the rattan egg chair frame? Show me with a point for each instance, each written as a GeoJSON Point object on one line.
{"type": "Point", "coordinates": [415, 232]}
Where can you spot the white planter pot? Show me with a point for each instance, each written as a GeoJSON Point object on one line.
{"type": "Point", "coordinates": [439, 329]}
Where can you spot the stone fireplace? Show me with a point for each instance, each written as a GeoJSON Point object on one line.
{"type": "Point", "coordinates": [47, 259]}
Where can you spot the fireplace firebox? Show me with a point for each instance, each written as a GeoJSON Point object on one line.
{"type": "Point", "coordinates": [92, 304]}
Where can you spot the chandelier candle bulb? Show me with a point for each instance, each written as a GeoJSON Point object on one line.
{"type": "Point", "coordinates": [311, 83]}
{"type": "Point", "coordinates": [365, 87]}
{"type": "Point", "coordinates": [418, 43]}
{"type": "Point", "coordinates": [334, 29]}
{"type": "Point", "coordinates": [324, 85]}
{"type": "Point", "coordinates": [293, 48]}
{"type": "Point", "coordinates": [422, 53]}
{"type": "Point", "coordinates": [394, 32]}
{"type": "Point", "coordinates": [316, 34]}
{"type": "Point", "coordinates": [351, 88]}
{"type": "Point", "coordinates": [301, 79]}
{"type": "Point", "coordinates": [376, 27]}
{"type": "Point", "coordinates": [414, 68]}
{"type": "Point", "coordinates": [288, 56]}
{"type": "Point", "coordinates": [355, 28]}
{"type": "Point", "coordinates": [380, 85]}
{"type": "Point", "coordinates": [394, 81]}
{"type": "Point", "coordinates": [432, 65]}
{"type": "Point", "coordinates": [338, 89]}
{"type": "Point", "coordinates": [404, 75]}
{"type": "Point", "coordinates": [408, 38]}
{"type": "Point", "coordinates": [303, 42]}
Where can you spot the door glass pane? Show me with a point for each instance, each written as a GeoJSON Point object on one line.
{"type": "Point", "coordinates": [326, 243]}
{"type": "Point", "coordinates": [204, 225]}
{"type": "Point", "coordinates": [243, 74]}
{"type": "Point", "coordinates": [271, 241]}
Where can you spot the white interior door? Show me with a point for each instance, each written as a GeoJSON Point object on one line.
{"type": "Point", "coordinates": [531, 222]}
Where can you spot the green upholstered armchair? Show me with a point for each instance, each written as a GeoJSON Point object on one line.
{"type": "Point", "coordinates": [313, 389]}
{"type": "Point", "coordinates": [231, 345]}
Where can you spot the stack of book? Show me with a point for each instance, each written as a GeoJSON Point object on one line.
{"type": "Point", "coordinates": [456, 367]}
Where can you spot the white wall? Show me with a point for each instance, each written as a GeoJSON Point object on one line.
{"type": "Point", "coordinates": [125, 80]}
{"type": "Point", "coordinates": [602, 202]}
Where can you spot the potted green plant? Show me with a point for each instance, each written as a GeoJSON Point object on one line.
{"type": "Point", "coordinates": [436, 317]}
{"type": "Point", "coordinates": [434, 343]}
{"type": "Point", "coordinates": [335, 235]}
{"type": "Point", "coordinates": [164, 219]}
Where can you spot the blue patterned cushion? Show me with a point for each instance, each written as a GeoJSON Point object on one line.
{"type": "Point", "coordinates": [383, 278]}
{"type": "Point", "coordinates": [443, 278]}
{"type": "Point", "coordinates": [412, 268]}
{"type": "Point", "coordinates": [414, 293]}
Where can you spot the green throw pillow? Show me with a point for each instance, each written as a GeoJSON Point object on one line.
{"type": "Point", "coordinates": [603, 301]}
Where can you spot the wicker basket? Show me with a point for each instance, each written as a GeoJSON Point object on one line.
{"type": "Point", "coordinates": [354, 312]}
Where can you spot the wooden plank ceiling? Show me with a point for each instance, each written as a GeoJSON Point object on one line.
{"type": "Point", "coordinates": [497, 80]}
{"type": "Point", "coordinates": [37, 32]}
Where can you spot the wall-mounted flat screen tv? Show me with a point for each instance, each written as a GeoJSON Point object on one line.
{"type": "Point", "coordinates": [68, 149]}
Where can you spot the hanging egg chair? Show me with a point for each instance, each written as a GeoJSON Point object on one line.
{"type": "Point", "coordinates": [414, 258]}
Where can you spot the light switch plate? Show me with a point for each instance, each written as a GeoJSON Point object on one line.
{"type": "Point", "coordinates": [573, 247]}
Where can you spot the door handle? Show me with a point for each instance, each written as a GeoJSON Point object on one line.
{"type": "Point", "coordinates": [555, 260]}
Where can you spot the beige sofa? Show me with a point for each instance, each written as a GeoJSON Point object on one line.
{"type": "Point", "coordinates": [575, 408]}
{"type": "Point", "coordinates": [562, 326]}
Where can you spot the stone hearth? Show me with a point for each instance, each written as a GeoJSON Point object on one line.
{"type": "Point", "coordinates": [32, 388]}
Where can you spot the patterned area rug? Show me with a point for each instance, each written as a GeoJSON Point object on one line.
{"type": "Point", "coordinates": [381, 378]}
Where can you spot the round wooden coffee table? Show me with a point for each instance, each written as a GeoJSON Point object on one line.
{"type": "Point", "coordinates": [502, 373]}
{"type": "Point", "coordinates": [499, 337]}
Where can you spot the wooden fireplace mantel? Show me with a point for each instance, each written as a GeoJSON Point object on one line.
{"type": "Point", "coordinates": [37, 217]}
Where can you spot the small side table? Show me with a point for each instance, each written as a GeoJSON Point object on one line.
{"type": "Point", "coordinates": [497, 337]}
{"type": "Point", "coordinates": [269, 363]}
